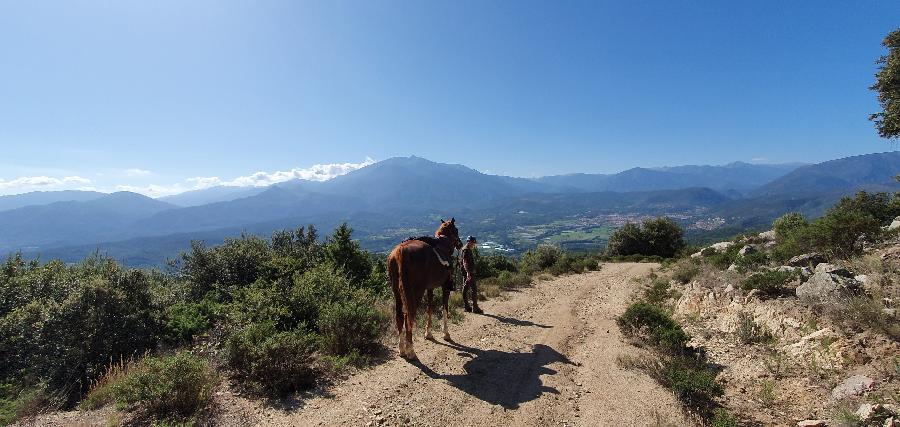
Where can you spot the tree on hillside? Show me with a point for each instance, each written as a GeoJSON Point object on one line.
{"type": "Point", "coordinates": [344, 253]}
{"type": "Point", "coordinates": [887, 84]}
{"type": "Point", "coordinates": [660, 236]}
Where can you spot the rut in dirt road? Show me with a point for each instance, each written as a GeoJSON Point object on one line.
{"type": "Point", "coordinates": [544, 355]}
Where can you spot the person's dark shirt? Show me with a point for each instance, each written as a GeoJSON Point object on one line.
{"type": "Point", "coordinates": [468, 262]}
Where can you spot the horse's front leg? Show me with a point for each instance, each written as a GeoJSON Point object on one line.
{"type": "Point", "coordinates": [429, 296]}
{"type": "Point", "coordinates": [445, 302]}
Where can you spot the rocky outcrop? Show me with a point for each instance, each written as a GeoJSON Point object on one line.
{"type": "Point", "coordinates": [718, 247]}
{"type": "Point", "coordinates": [823, 286]}
{"type": "Point", "coordinates": [895, 224]}
{"type": "Point", "coordinates": [747, 250]}
{"type": "Point", "coordinates": [853, 386]}
{"type": "Point", "coordinates": [811, 260]}
{"type": "Point", "coordinates": [869, 412]}
{"type": "Point", "coordinates": [833, 269]}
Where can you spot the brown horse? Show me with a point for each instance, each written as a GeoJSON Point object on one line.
{"type": "Point", "coordinates": [415, 269]}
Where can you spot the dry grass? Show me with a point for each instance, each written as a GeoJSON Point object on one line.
{"type": "Point", "coordinates": [101, 392]}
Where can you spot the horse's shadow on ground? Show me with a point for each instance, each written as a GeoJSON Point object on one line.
{"type": "Point", "coordinates": [499, 377]}
{"type": "Point", "coordinates": [514, 321]}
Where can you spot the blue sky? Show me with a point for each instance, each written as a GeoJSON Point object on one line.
{"type": "Point", "coordinates": [167, 94]}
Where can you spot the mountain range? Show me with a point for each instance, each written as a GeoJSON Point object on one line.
{"type": "Point", "coordinates": [398, 196]}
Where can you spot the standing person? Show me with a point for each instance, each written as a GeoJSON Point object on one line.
{"type": "Point", "coordinates": [467, 258]}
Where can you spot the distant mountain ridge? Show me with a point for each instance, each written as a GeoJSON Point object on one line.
{"type": "Point", "coordinates": [733, 176]}
{"type": "Point", "coordinates": [35, 198]}
{"type": "Point", "coordinates": [408, 193]}
{"type": "Point", "coordinates": [75, 221]}
{"type": "Point", "coordinates": [872, 171]}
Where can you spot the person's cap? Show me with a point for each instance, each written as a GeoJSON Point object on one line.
{"type": "Point", "coordinates": [471, 239]}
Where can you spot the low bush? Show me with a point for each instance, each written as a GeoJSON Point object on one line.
{"type": "Point", "coordinates": [691, 381]}
{"type": "Point", "coordinates": [507, 280]}
{"type": "Point", "coordinates": [272, 361]}
{"type": "Point", "coordinates": [724, 259]}
{"type": "Point", "coordinates": [352, 325]}
{"type": "Point", "coordinates": [184, 320]}
{"type": "Point", "coordinates": [721, 418]}
{"type": "Point", "coordinates": [841, 232]}
{"type": "Point", "coordinates": [655, 326]}
{"type": "Point", "coordinates": [768, 283]}
{"type": "Point", "coordinates": [658, 292]}
{"type": "Point", "coordinates": [176, 385]}
{"type": "Point", "coordinates": [862, 313]}
{"type": "Point", "coordinates": [750, 332]}
{"type": "Point", "coordinates": [493, 265]}
{"type": "Point", "coordinates": [685, 270]}
{"type": "Point", "coordinates": [540, 258]}
{"type": "Point", "coordinates": [751, 261]}
{"type": "Point", "coordinates": [17, 403]}
{"type": "Point", "coordinates": [660, 236]}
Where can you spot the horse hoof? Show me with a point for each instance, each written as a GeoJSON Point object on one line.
{"type": "Point", "coordinates": [429, 337]}
{"type": "Point", "coordinates": [447, 337]}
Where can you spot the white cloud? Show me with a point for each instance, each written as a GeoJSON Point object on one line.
{"type": "Point", "coordinates": [202, 182]}
{"type": "Point", "coordinates": [28, 183]}
{"type": "Point", "coordinates": [154, 190]}
{"type": "Point", "coordinates": [319, 172]}
{"type": "Point", "coordinates": [136, 172]}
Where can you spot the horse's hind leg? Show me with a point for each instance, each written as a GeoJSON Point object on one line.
{"type": "Point", "coordinates": [400, 320]}
{"type": "Point", "coordinates": [445, 302]}
{"type": "Point", "coordinates": [429, 296]}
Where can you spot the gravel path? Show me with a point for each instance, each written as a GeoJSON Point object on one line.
{"type": "Point", "coordinates": [544, 356]}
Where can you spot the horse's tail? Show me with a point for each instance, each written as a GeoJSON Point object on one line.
{"type": "Point", "coordinates": [395, 276]}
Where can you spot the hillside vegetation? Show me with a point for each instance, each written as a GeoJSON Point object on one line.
{"type": "Point", "coordinates": [269, 316]}
{"type": "Point", "coordinates": [796, 324]}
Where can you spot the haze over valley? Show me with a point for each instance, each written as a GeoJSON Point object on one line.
{"type": "Point", "coordinates": [389, 200]}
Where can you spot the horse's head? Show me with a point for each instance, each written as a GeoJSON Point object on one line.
{"type": "Point", "coordinates": [448, 229]}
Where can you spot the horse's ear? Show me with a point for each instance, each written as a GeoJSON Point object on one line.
{"type": "Point", "coordinates": [442, 220]}
{"type": "Point", "coordinates": [453, 220]}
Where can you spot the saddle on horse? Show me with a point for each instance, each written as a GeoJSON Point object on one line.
{"type": "Point", "coordinates": [434, 243]}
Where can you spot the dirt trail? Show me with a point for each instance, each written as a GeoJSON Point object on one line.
{"type": "Point", "coordinates": [544, 356]}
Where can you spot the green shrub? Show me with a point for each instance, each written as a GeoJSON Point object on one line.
{"type": "Point", "coordinates": [768, 283]}
{"type": "Point", "coordinates": [708, 251]}
{"type": "Point", "coordinates": [658, 292]}
{"type": "Point", "coordinates": [788, 224]}
{"type": "Point", "coordinates": [493, 265]}
{"type": "Point", "coordinates": [660, 236]}
{"type": "Point", "coordinates": [509, 280]}
{"type": "Point", "coordinates": [177, 385]}
{"type": "Point", "coordinates": [273, 361]}
{"type": "Point", "coordinates": [352, 325]}
{"type": "Point", "coordinates": [17, 403]}
{"type": "Point", "coordinates": [724, 259]}
{"type": "Point", "coordinates": [540, 258]}
{"type": "Point", "coordinates": [685, 271]}
{"type": "Point", "coordinates": [573, 263]}
{"type": "Point", "coordinates": [751, 261]}
{"type": "Point", "coordinates": [75, 321]}
{"type": "Point", "coordinates": [653, 325]}
{"type": "Point", "coordinates": [184, 320]}
{"type": "Point", "coordinates": [691, 381]}
{"type": "Point", "coordinates": [721, 418]}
